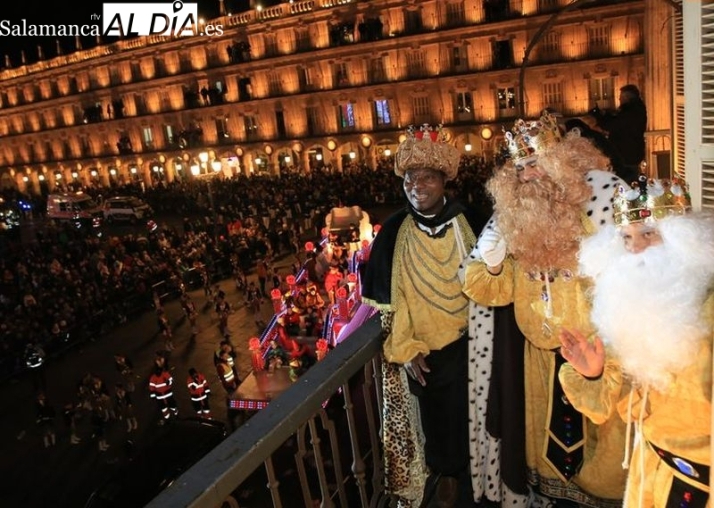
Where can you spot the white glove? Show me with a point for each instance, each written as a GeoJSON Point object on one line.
{"type": "Point", "coordinates": [491, 245]}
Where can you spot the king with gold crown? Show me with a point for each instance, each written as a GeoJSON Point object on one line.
{"type": "Point", "coordinates": [553, 192]}
{"type": "Point", "coordinates": [436, 374]}
{"type": "Point", "coordinates": [649, 360]}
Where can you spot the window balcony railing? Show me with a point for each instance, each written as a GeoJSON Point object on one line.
{"type": "Point", "coordinates": [325, 427]}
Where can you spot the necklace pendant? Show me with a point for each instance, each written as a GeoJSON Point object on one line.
{"type": "Point", "coordinates": [547, 331]}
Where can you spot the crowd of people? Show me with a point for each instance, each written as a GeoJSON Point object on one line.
{"type": "Point", "coordinates": [68, 287]}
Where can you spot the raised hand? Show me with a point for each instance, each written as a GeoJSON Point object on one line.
{"type": "Point", "coordinates": [588, 358]}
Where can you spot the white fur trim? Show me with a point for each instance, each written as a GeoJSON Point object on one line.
{"type": "Point", "coordinates": [599, 208]}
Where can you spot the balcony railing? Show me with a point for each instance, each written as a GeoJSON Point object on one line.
{"type": "Point", "coordinates": [325, 427]}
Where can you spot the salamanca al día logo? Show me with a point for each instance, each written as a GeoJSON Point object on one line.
{"type": "Point", "coordinates": [171, 19]}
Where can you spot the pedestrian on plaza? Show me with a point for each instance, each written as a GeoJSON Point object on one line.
{"type": "Point", "coordinates": [223, 310]}
{"type": "Point", "coordinates": [261, 269]}
{"type": "Point", "coordinates": [45, 420]}
{"type": "Point", "coordinates": [70, 416]}
{"type": "Point", "coordinates": [99, 428]}
{"type": "Point", "coordinates": [125, 408]}
{"type": "Point", "coordinates": [254, 301]}
{"type": "Point", "coordinates": [191, 313]}
{"type": "Point", "coordinates": [161, 389]}
{"type": "Point", "coordinates": [165, 329]}
{"type": "Point", "coordinates": [199, 390]}
{"type": "Point", "coordinates": [126, 368]}
{"type": "Point", "coordinates": [226, 373]}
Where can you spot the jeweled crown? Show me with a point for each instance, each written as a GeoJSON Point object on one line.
{"type": "Point", "coordinates": [527, 139]}
{"type": "Point", "coordinates": [650, 200]}
{"type": "Point", "coordinates": [426, 147]}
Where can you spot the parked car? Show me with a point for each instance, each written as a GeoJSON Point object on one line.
{"type": "Point", "coordinates": [177, 446]}
{"type": "Point", "coordinates": [126, 208]}
{"type": "Point", "coordinates": [78, 208]}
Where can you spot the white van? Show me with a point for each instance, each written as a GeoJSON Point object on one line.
{"type": "Point", "coordinates": [75, 207]}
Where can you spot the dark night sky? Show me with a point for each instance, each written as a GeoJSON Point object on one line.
{"type": "Point", "coordinates": [73, 13]}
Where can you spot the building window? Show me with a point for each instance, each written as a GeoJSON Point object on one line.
{"type": "Point", "coordinates": [382, 115]}
{"type": "Point", "coordinates": [459, 60]}
{"type": "Point", "coordinates": [548, 5]}
{"type": "Point", "coordinates": [147, 136]}
{"type": "Point", "coordinates": [550, 47]}
{"type": "Point", "coordinates": [420, 106]}
{"type": "Point", "coordinates": [305, 79]}
{"type": "Point", "coordinates": [251, 127]}
{"type": "Point", "coordinates": [245, 90]}
{"type": "Point", "coordinates": [346, 116]}
{"type": "Point", "coordinates": [376, 70]}
{"type": "Point", "coordinates": [340, 73]}
{"type": "Point", "coordinates": [302, 39]}
{"type": "Point", "coordinates": [222, 128]}
{"type": "Point", "coordinates": [412, 22]}
{"type": "Point", "coordinates": [271, 44]}
{"type": "Point", "coordinates": [502, 54]}
{"type": "Point", "coordinates": [506, 98]}
{"type": "Point", "coordinates": [275, 85]}
{"type": "Point", "coordinates": [599, 41]}
{"type": "Point", "coordinates": [280, 124]}
{"type": "Point", "coordinates": [455, 13]}
{"type": "Point", "coordinates": [553, 96]}
{"type": "Point", "coordinates": [169, 134]}
{"type": "Point", "coordinates": [602, 92]}
{"type": "Point", "coordinates": [314, 125]}
{"type": "Point", "coordinates": [463, 106]}
{"type": "Point", "coordinates": [415, 64]}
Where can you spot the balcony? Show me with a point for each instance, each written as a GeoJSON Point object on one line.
{"type": "Point", "coordinates": [325, 427]}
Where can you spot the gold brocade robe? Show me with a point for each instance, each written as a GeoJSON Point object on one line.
{"type": "Point", "coordinates": [431, 311]}
{"type": "Point", "coordinates": [601, 479]}
{"type": "Point", "coordinates": [677, 420]}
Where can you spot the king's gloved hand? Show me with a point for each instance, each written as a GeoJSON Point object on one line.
{"type": "Point", "coordinates": [492, 245]}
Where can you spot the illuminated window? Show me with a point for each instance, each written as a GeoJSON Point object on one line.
{"type": "Point", "coordinates": [382, 116]}
{"type": "Point", "coordinates": [506, 98]}
{"type": "Point", "coordinates": [147, 136]}
{"type": "Point", "coordinates": [601, 92]}
{"type": "Point", "coordinates": [464, 103]}
{"type": "Point", "coordinates": [251, 127]}
{"type": "Point", "coordinates": [346, 116]}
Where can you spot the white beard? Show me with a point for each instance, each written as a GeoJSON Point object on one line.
{"type": "Point", "coordinates": [647, 306]}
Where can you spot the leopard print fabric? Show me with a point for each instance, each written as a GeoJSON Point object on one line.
{"type": "Point", "coordinates": [404, 463]}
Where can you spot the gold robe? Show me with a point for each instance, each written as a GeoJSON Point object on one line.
{"type": "Point", "coordinates": [678, 420]}
{"type": "Point", "coordinates": [600, 481]}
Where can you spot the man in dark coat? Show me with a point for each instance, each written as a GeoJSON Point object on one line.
{"type": "Point", "coordinates": [626, 130]}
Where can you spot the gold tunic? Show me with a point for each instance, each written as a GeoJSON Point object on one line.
{"type": "Point", "coordinates": [677, 420]}
{"type": "Point", "coordinates": [430, 309]}
{"type": "Point", "coordinates": [545, 303]}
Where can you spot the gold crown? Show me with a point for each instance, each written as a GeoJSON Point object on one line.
{"type": "Point", "coordinates": [527, 139]}
{"type": "Point", "coordinates": [427, 148]}
{"type": "Point", "coordinates": [650, 200]}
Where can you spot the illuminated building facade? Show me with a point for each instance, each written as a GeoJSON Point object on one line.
{"type": "Point", "coordinates": [310, 83]}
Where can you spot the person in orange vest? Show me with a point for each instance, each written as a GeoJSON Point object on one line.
{"type": "Point", "coordinates": [199, 390]}
{"type": "Point", "coordinates": [161, 388]}
{"type": "Point", "coordinates": [226, 373]}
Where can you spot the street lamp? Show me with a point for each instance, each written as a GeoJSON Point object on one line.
{"type": "Point", "coordinates": [216, 165]}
